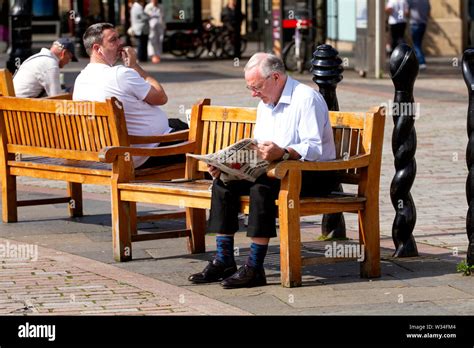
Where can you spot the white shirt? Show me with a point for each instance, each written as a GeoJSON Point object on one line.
{"type": "Point", "coordinates": [399, 8]}
{"type": "Point", "coordinates": [155, 14]}
{"type": "Point", "coordinates": [98, 82]}
{"type": "Point", "coordinates": [139, 20]}
{"type": "Point", "coordinates": [300, 120]}
{"type": "Point", "coordinates": [38, 73]}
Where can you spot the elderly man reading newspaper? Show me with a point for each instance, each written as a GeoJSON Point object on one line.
{"type": "Point", "coordinates": [292, 123]}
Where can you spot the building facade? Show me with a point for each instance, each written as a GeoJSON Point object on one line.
{"type": "Point", "coordinates": [447, 31]}
{"type": "Point", "coordinates": [446, 34]}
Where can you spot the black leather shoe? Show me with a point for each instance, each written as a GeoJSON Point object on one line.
{"type": "Point", "coordinates": [213, 272]}
{"type": "Point", "coordinates": [245, 277]}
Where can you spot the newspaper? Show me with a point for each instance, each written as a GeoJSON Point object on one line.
{"type": "Point", "coordinates": [239, 161]}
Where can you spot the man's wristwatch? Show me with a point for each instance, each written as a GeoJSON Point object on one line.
{"type": "Point", "coordinates": [286, 155]}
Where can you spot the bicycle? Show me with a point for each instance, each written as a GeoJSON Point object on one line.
{"type": "Point", "coordinates": [184, 44]}
{"type": "Point", "coordinates": [227, 39]}
{"type": "Point", "coordinates": [193, 43]}
{"type": "Point", "coordinates": [294, 53]}
{"type": "Point", "coordinates": [218, 41]}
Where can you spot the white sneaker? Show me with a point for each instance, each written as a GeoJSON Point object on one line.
{"type": "Point", "coordinates": [422, 66]}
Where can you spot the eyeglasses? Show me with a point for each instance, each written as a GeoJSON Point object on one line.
{"type": "Point", "coordinates": [258, 89]}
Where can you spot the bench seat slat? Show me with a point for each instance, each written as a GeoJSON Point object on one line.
{"type": "Point", "coordinates": [90, 168]}
{"type": "Point", "coordinates": [200, 189]}
{"type": "Point", "coordinates": [58, 153]}
{"type": "Point", "coordinates": [63, 165]}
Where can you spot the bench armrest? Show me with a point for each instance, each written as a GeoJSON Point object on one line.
{"type": "Point", "coordinates": [278, 170]}
{"type": "Point", "coordinates": [110, 153]}
{"type": "Point", "coordinates": [176, 136]}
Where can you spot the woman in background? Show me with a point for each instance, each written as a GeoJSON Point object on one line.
{"type": "Point", "coordinates": [157, 30]}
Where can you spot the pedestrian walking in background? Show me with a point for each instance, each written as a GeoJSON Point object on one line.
{"type": "Point", "coordinates": [397, 11]}
{"type": "Point", "coordinates": [140, 28]}
{"type": "Point", "coordinates": [228, 17]}
{"type": "Point", "coordinates": [419, 13]}
{"type": "Point", "coordinates": [157, 30]}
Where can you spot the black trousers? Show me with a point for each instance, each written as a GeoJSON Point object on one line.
{"type": "Point", "coordinates": [397, 33]}
{"type": "Point", "coordinates": [142, 42]}
{"type": "Point", "coordinates": [225, 202]}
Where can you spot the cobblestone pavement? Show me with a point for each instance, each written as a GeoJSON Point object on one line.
{"type": "Point", "coordinates": [50, 282]}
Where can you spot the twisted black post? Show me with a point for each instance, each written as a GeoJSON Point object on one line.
{"type": "Point", "coordinates": [21, 33]}
{"type": "Point", "coordinates": [327, 73]}
{"type": "Point", "coordinates": [403, 69]}
{"type": "Point", "coordinates": [467, 71]}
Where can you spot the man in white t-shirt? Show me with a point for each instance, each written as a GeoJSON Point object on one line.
{"type": "Point", "coordinates": [139, 92]}
{"type": "Point", "coordinates": [39, 74]}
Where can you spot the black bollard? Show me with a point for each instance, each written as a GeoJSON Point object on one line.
{"type": "Point", "coordinates": [467, 71]}
{"type": "Point", "coordinates": [327, 73]}
{"type": "Point", "coordinates": [21, 32]}
{"type": "Point", "coordinates": [403, 70]}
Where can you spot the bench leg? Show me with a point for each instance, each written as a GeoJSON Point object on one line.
{"type": "Point", "coordinates": [290, 239]}
{"type": "Point", "coordinates": [74, 190]}
{"type": "Point", "coordinates": [9, 199]}
{"type": "Point", "coordinates": [290, 247]}
{"type": "Point", "coordinates": [121, 228]}
{"type": "Point", "coordinates": [196, 222]}
{"type": "Point", "coordinates": [369, 230]}
{"type": "Point", "coordinates": [133, 218]}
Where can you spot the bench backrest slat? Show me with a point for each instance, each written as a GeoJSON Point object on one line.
{"type": "Point", "coordinates": [61, 128]}
{"type": "Point", "coordinates": [223, 126]}
{"type": "Point", "coordinates": [6, 83]}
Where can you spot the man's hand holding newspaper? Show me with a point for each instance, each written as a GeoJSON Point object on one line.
{"type": "Point", "coordinates": [240, 161]}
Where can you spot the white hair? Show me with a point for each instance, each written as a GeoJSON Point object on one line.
{"type": "Point", "coordinates": [266, 63]}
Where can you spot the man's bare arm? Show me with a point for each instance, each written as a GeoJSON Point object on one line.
{"type": "Point", "coordinates": [156, 95]}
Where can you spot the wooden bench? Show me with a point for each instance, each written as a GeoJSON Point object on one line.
{"type": "Point", "coordinates": [62, 140]}
{"type": "Point", "coordinates": [7, 89]}
{"type": "Point", "coordinates": [358, 138]}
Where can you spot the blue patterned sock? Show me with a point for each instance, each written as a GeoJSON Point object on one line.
{"type": "Point", "coordinates": [225, 249]}
{"type": "Point", "coordinates": [257, 255]}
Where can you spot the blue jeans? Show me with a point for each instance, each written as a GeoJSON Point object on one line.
{"type": "Point", "coordinates": [417, 33]}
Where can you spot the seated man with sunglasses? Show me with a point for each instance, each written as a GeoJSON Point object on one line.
{"type": "Point", "coordinates": [292, 124]}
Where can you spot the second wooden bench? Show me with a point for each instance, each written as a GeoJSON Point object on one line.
{"type": "Point", "coordinates": [358, 138]}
